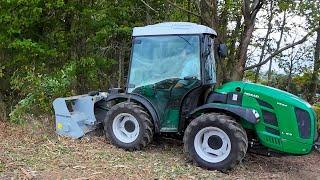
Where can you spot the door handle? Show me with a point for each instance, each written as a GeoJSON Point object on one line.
{"type": "Point", "coordinates": [190, 78]}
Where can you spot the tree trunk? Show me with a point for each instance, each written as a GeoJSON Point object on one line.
{"type": "Point", "coordinates": [249, 10]}
{"type": "Point", "coordinates": [291, 69]}
{"type": "Point", "coordinates": [4, 85]}
{"type": "Point", "coordinates": [121, 66]}
{"type": "Point", "coordinates": [232, 51]}
{"type": "Point", "coordinates": [256, 76]}
{"type": "Point", "coordinates": [269, 71]}
{"type": "Point", "coordinates": [3, 113]}
{"type": "Point", "coordinates": [278, 45]}
{"type": "Point", "coordinates": [242, 52]}
{"type": "Point", "coordinates": [148, 16]}
{"type": "Point", "coordinates": [189, 9]}
{"type": "Point", "coordinates": [290, 75]}
{"type": "Point", "coordinates": [316, 66]}
{"type": "Point", "coordinates": [68, 26]}
{"type": "Point", "coordinates": [208, 13]}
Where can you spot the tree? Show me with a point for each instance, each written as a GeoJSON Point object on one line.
{"type": "Point", "coordinates": [220, 14]}
{"type": "Point", "coordinates": [270, 12]}
{"type": "Point", "coordinates": [278, 42]}
{"type": "Point", "coordinates": [316, 66]}
{"type": "Point", "coordinates": [295, 61]}
{"type": "Point", "coordinates": [311, 10]}
{"type": "Point", "coordinates": [60, 48]}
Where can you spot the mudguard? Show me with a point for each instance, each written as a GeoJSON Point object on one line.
{"type": "Point", "coordinates": [247, 114]}
{"type": "Point", "coordinates": [142, 100]}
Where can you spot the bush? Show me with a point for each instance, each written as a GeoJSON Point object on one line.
{"type": "Point", "coordinates": [36, 88]}
{"type": "Point", "coordinates": [39, 90]}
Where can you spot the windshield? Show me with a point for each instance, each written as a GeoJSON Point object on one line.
{"type": "Point", "coordinates": [158, 58]}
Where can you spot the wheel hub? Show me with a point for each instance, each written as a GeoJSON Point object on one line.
{"type": "Point", "coordinates": [215, 142]}
{"type": "Point", "coordinates": [212, 144]}
{"type": "Point", "coordinates": [125, 127]}
{"type": "Point", "coordinates": [129, 126]}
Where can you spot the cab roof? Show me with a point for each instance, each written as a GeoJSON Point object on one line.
{"type": "Point", "coordinates": [171, 28]}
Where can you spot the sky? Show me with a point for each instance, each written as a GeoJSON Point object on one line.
{"type": "Point", "coordinates": [296, 27]}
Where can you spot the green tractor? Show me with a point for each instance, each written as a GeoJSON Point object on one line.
{"type": "Point", "coordinates": [171, 90]}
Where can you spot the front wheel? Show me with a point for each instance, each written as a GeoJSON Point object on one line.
{"type": "Point", "coordinates": [128, 126]}
{"type": "Point", "coordinates": [215, 141]}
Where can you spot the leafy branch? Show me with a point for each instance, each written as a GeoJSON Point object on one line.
{"type": "Point", "coordinates": [302, 40]}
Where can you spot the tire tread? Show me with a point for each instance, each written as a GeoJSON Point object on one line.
{"type": "Point", "coordinates": [233, 126]}
{"type": "Point", "coordinates": [142, 115]}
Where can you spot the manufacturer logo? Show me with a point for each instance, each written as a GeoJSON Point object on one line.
{"type": "Point", "coordinates": [281, 104]}
{"type": "Point", "coordinates": [286, 133]}
{"type": "Point", "coordinates": [252, 95]}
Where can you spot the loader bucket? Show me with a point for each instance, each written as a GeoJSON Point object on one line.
{"type": "Point", "coordinates": [75, 116]}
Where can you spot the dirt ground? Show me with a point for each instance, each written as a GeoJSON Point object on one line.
{"type": "Point", "coordinates": [34, 152]}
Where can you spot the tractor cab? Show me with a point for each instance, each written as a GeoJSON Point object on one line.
{"type": "Point", "coordinates": [168, 62]}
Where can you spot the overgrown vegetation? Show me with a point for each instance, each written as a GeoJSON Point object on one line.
{"type": "Point", "coordinates": [59, 48]}
{"type": "Point", "coordinates": [40, 155]}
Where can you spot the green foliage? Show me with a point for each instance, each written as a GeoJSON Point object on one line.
{"type": "Point", "coordinates": [90, 70]}
{"type": "Point", "coordinates": [249, 75]}
{"type": "Point", "coordinates": [51, 49]}
{"type": "Point", "coordinates": [302, 84]}
{"type": "Point", "coordinates": [39, 90]}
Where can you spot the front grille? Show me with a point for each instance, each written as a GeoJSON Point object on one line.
{"type": "Point", "coordinates": [273, 140]}
{"type": "Point", "coordinates": [304, 122]}
{"type": "Point", "coordinates": [272, 131]}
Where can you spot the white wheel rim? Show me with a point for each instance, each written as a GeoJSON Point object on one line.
{"type": "Point", "coordinates": [121, 130]}
{"type": "Point", "coordinates": [209, 147]}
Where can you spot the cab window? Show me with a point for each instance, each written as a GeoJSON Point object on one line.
{"type": "Point", "coordinates": [209, 61]}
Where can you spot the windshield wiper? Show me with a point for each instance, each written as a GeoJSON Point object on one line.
{"type": "Point", "coordinates": [184, 39]}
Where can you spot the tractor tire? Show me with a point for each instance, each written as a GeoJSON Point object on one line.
{"type": "Point", "coordinates": [215, 141]}
{"type": "Point", "coordinates": [128, 125]}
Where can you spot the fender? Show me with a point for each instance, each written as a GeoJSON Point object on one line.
{"type": "Point", "coordinates": [146, 103]}
{"type": "Point", "coordinates": [247, 114]}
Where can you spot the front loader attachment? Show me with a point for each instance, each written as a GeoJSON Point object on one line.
{"type": "Point", "coordinates": [76, 115]}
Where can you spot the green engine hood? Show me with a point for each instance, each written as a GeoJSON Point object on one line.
{"type": "Point", "coordinates": [281, 125]}
{"type": "Point", "coordinates": [256, 90]}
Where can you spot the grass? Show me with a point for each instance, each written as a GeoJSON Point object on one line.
{"type": "Point", "coordinates": [2, 167]}
{"type": "Point", "coordinates": [43, 155]}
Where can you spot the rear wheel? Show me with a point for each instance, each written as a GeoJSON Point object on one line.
{"type": "Point", "coordinates": [215, 141]}
{"type": "Point", "coordinates": [128, 126]}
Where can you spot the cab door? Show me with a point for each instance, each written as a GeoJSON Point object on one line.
{"type": "Point", "coordinates": [164, 69]}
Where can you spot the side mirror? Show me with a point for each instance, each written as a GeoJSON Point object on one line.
{"type": "Point", "coordinates": [222, 50]}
